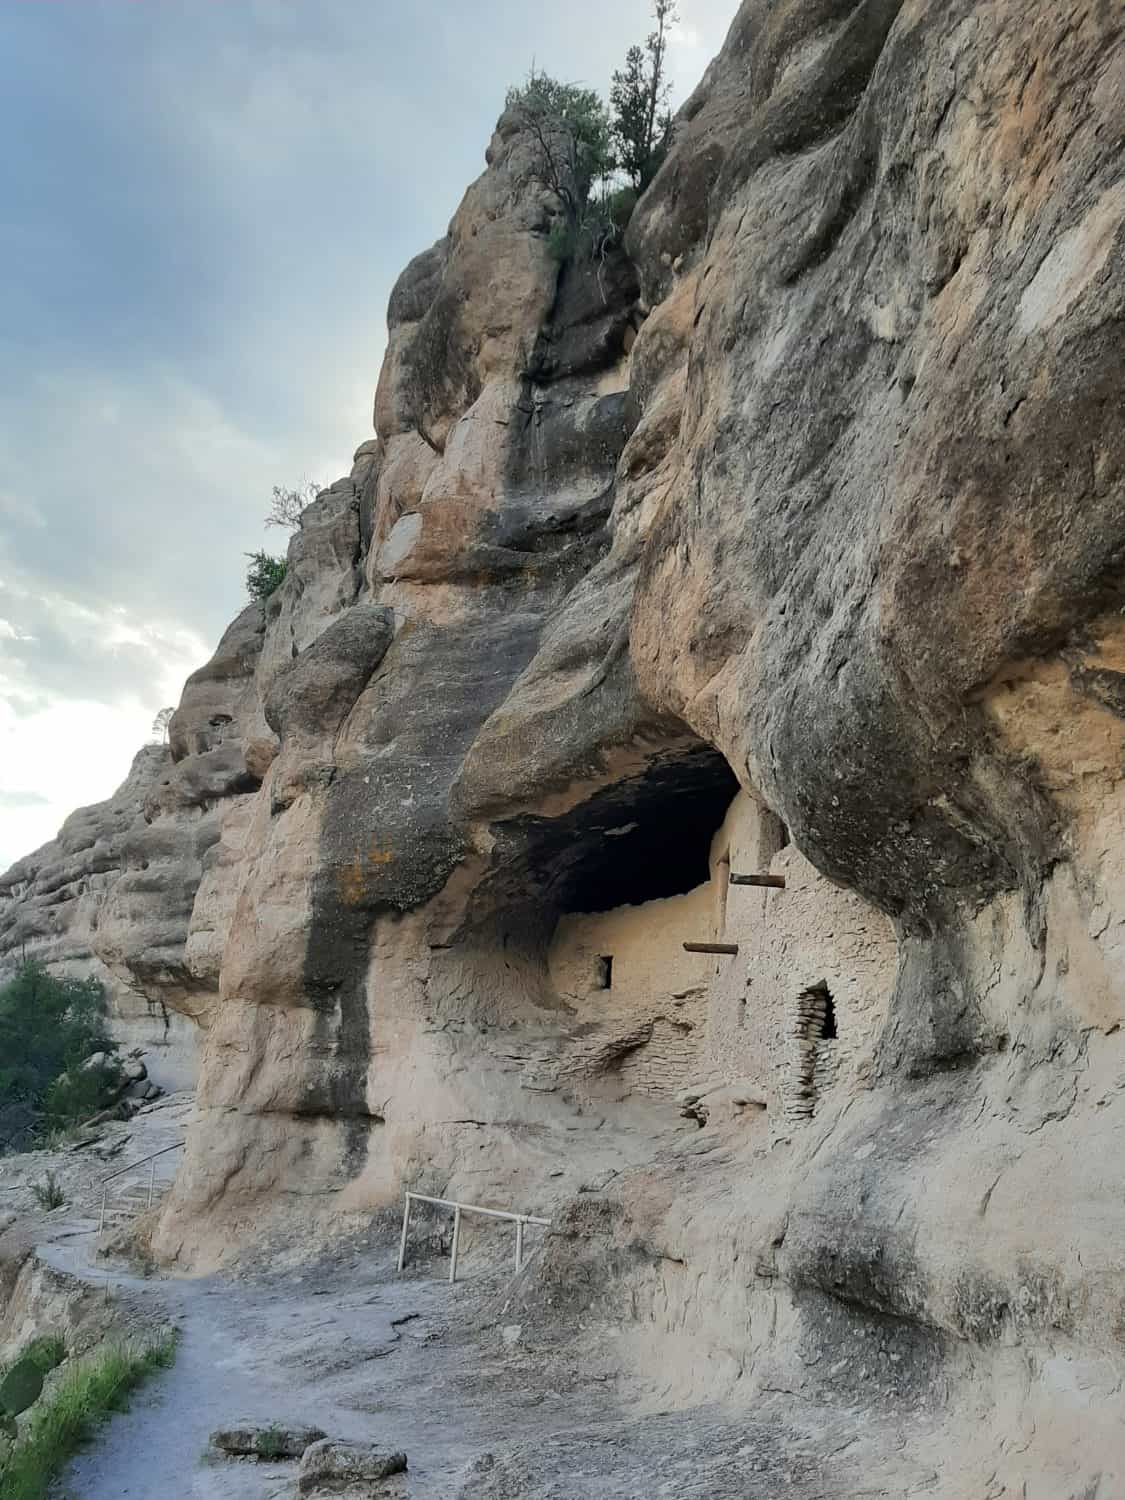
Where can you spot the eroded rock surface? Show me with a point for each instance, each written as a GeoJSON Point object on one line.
{"type": "Point", "coordinates": [790, 546]}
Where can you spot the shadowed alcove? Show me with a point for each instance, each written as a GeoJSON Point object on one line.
{"type": "Point", "coordinates": [587, 913]}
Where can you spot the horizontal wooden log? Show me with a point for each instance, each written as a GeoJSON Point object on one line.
{"type": "Point", "coordinates": [710, 947]}
{"type": "Point", "coordinates": [774, 882]}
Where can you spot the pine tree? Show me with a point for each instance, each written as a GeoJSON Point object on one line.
{"type": "Point", "coordinates": [639, 99]}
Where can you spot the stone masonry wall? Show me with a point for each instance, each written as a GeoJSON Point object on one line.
{"type": "Point", "coordinates": [655, 1009]}
{"type": "Point", "coordinates": [811, 933]}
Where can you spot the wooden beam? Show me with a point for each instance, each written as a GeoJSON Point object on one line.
{"type": "Point", "coordinates": [710, 947]}
{"type": "Point", "coordinates": [774, 882]}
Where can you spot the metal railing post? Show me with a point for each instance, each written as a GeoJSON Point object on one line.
{"type": "Point", "coordinates": [132, 1166]}
{"type": "Point", "coordinates": [519, 1220]}
{"type": "Point", "coordinates": [405, 1232]}
{"type": "Point", "coordinates": [456, 1244]}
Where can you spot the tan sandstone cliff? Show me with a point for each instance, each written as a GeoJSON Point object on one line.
{"type": "Point", "coordinates": [792, 541]}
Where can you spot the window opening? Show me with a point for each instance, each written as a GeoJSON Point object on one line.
{"type": "Point", "coordinates": [829, 1032]}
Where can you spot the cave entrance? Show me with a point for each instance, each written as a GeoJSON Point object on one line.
{"type": "Point", "coordinates": [633, 885]}
{"type": "Point", "coordinates": [585, 915]}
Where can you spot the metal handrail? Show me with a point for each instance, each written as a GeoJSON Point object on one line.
{"type": "Point", "coordinates": [142, 1161]}
{"type": "Point", "coordinates": [131, 1167]}
{"type": "Point", "coordinates": [519, 1220]}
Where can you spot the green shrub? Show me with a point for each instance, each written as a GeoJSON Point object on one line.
{"type": "Point", "coordinates": [618, 207]}
{"type": "Point", "coordinates": [48, 1028]}
{"type": "Point", "coordinates": [580, 150]}
{"type": "Point", "coordinates": [69, 1414]}
{"type": "Point", "coordinates": [48, 1193]}
{"type": "Point", "coordinates": [568, 128]}
{"type": "Point", "coordinates": [271, 1443]}
{"type": "Point", "coordinates": [264, 576]}
{"type": "Point", "coordinates": [22, 1383]}
{"type": "Point", "coordinates": [77, 1094]}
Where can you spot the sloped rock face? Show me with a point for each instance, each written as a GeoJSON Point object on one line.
{"type": "Point", "coordinates": [816, 496]}
{"type": "Point", "coordinates": [133, 889]}
{"type": "Point", "coordinates": [53, 904]}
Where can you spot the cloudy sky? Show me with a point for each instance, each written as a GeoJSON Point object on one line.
{"type": "Point", "coordinates": [205, 205]}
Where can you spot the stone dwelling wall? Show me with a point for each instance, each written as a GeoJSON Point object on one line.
{"type": "Point", "coordinates": [655, 1009]}
{"type": "Point", "coordinates": [810, 934]}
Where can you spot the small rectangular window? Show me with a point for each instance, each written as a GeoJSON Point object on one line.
{"type": "Point", "coordinates": [605, 972]}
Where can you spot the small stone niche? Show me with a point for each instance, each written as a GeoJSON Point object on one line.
{"type": "Point", "coordinates": [603, 979]}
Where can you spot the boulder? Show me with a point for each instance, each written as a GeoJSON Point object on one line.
{"type": "Point", "coordinates": [269, 1442]}
{"type": "Point", "coordinates": [334, 1468]}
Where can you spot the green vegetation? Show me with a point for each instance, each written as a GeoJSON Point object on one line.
{"type": "Point", "coordinates": [68, 1415]}
{"type": "Point", "coordinates": [48, 1194]}
{"type": "Point", "coordinates": [270, 1443]}
{"type": "Point", "coordinates": [582, 149]}
{"type": "Point", "coordinates": [639, 101]}
{"type": "Point", "coordinates": [264, 576]}
{"type": "Point", "coordinates": [22, 1384]}
{"type": "Point", "coordinates": [48, 1029]}
{"type": "Point", "coordinates": [569, 126]}
{"type": "Point", "coordinates": [266, 573]}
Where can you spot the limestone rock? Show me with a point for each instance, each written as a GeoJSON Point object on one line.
{"type": "Point", "coordinates": [269, 1442]}
{"type": "Point", "coordinates": [793, 544]}
{"type": "Point", "coordinates": [53, 903]}
{"type": "Point", "coordinates": [333, 1468]}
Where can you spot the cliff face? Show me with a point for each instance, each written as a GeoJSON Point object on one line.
{"type": "Point", "coordinates": [131, 891]}
{"type": "Point", "coordinates": [52, 907]}
{"type": "Point", "coordinates": [790, 542]}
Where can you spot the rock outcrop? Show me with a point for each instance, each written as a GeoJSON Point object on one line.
{"type": "Point", "coordinates": [788, 544]}
{"type": "Point", "coordinates": [52, 907]}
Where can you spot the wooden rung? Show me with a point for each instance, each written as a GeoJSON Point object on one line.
{"type": "Point", "coordinates": [710, 947]}
{"type": "Point", "coordinates": [774, 882]}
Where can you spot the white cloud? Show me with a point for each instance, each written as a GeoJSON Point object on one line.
{"type": "Point", "coordinates": [215, 205]}
{"type": "Point", "coordinates": [61, 751]}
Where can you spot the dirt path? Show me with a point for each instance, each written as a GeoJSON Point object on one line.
{"type": "Point", "coordinates": [293, 1352]}
{"type": "Point", "coordinates": [481, 1412]}
{"type": "Point", "coordinates": [484, 1410]}
{"type": "Point", "coordinates": [350, 1348]}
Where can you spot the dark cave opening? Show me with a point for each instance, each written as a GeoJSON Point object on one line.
{"type": "Point", "coordinates": [642, 839]}
{"type": "Point", "coordinates": [646, 840]}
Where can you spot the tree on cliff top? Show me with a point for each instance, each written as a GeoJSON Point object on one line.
{"type": "Point", "coordinates": [264, 576]}
{"type": "Point", "coordinates": [578, 145]}
{"type": "Point", "coordinates": [160, 725]}
{"type": "Point", "coordinates": [639, 101]}
{"type": "Point", "coordinates": [287, 506]}
{"type": "Point", "coordinates": [569, 128]}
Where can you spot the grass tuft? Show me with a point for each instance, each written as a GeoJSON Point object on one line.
{"type": "Point", "coordinates": [70, 1412]}
{"type": "Point", "coordinates": [48, 1193]}
{"type": "Point", "coordinates": [270, 1442]}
